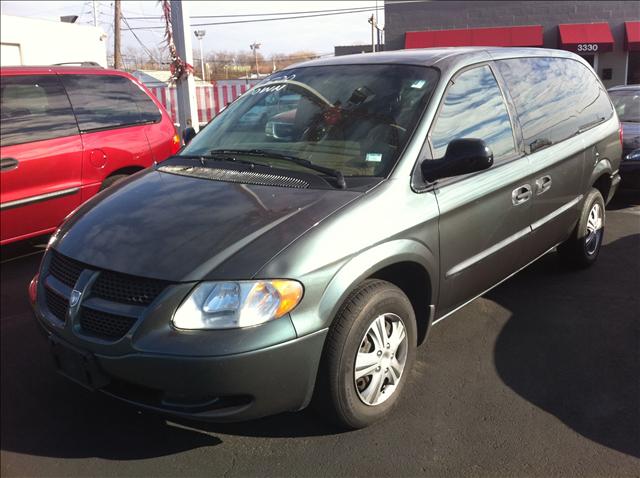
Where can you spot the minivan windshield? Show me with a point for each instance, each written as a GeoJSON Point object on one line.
{"type": "Point", "coordinates": [627, 104]}
{"type": "Point", "coordinates": [352, 120]}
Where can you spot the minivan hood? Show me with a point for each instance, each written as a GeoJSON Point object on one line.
{"type": "Point", "coordinates": [178, 228]}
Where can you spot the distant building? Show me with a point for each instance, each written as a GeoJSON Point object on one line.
{"type": "Point", "coordinates": [354, 49]}
{"type": "Point", "coordinates": [606, 34]}
{"type": "Point", "coordinates": [30, 41]}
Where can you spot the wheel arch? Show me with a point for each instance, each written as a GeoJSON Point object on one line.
{"type": "Point", "coordinates": [406, 263]}
{"type": "Point", "coordinates": [601, 179]}
{"type": "Point", "coordinates": [413, 279]}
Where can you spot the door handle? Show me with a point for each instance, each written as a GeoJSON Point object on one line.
{"type": "Point", "coordinates": [521, 194]}
{"type": "Point", "coordinates": [7, 164]}
{"type": "Point", "coordinates": [543, 184]}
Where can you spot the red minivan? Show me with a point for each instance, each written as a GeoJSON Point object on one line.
{"type": "Point", "coordinates": [67, 133]}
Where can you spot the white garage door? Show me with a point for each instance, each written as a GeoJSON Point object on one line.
{"type": "Point", "coordinates": [10, 54]}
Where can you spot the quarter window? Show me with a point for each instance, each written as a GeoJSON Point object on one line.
{"type": "Point", "coordinates": [554, 97]}
{"type": "Point", "coordinates": [473, 107]}
{"type": "Point", "coordinates": [34, 108]}
{"type": "Point", "coordinates": [108, 101]}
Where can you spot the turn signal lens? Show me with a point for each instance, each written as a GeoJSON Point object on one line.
{"type": "Point", "coordinates": [290, 295]}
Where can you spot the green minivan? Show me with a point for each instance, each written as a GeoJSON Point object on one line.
{"type": "Point", "coordinates": [302, 245]}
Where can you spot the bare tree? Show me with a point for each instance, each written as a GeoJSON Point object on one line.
{"type": "Point", "coordinates": [224, 64]}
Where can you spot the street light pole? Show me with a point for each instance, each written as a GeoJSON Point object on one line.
{"type": "Point", "coordinates": [372, 22]}
{"type": "Point", "coordinates": [95, 14]}
{"type": "Point", "coordinates": [200, 35]}
{"type": "Point", "coordinates": [254, 46]}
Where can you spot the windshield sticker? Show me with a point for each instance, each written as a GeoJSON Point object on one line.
{"type": "Point", "coordinates": [418, 84]}
{"type": "Point", "coordinates": [272, 84]}
{"type": "Point", "coordinates": [374, 157]}
{"type": "Point", "coordinates": [279, 78]}
{"type": "Point", "coordinates": [267, 89]}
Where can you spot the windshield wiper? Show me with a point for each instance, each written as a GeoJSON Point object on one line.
{"type": "Point", "coordinates": [286, 157]}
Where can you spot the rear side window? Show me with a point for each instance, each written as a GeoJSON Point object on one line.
{"type": "Point", "coordinates": [108, 101]}
{"type": "Point", "coordinates": [555, 98]}
{"type": "Point", "coordinates": [627, 104]}
{"type": "Point", "coordinates": [34, 108]}
{"type": "Point", "coordinates": [473, 107]}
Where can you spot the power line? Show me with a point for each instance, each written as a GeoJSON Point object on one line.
{"type": "Point", "coordinates": [347, 10]}
{"type": "Point", "coordinates": [260, 20]}
{"type": "Point", "coordinates": [331, 10]}
{"type": "Point", "coordinates": [138, 39]}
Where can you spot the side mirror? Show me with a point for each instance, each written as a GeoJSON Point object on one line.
{"type": "Point", "coordinates": [188, 134]}
{"type": "Point", "coordinates": [463, 156]}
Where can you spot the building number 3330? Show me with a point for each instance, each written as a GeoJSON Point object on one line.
{"type": "Point", "coordinates": [587, 47]}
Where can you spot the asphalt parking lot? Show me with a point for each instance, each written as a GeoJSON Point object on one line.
{"type": "Point", "coordinates": [541, 377]}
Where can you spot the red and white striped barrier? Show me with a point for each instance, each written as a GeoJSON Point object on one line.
{"type": "Point", "coordinates": [210, 99]}
{"type": "Point", "coordinates": [226, 91]}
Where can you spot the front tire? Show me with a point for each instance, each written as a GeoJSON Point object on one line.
{"type": "Point", "coordinates": [583, 247]}
{"type": "Point", "coordinates": [368, 355]}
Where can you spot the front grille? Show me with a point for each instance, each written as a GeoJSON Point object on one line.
{"type": "Point", "coordinates": [57, 304]}
{"type": "Point", "coordinates": [64, 269]}
{"type": "Point", "coordinates": [103, 324]}
{"type": "Point", "coordinates": [114, 287]}
{"type": "Point", "coordinates": [127, 289]}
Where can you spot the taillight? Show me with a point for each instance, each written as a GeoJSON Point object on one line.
{"type": "Point", "coordinates": [175, 143]}
{"type": "Point", "coordinates": [621, 134]}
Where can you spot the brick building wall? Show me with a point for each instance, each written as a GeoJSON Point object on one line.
{"type": "Point", "coordinates": [450, 14]}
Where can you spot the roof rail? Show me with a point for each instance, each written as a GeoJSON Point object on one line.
{"type": "Point", "coordinates": [79, 63]}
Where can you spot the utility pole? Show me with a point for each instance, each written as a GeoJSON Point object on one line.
{"type": "Point", "coordinates": [200, 35]}
{"type": "Point", "coordinates": [373, 21]}
{"type": "Point", "coordinates": [185, 86]}
{"type": "Point", "coordinates": [377, 29]}
{"type": "Point", "coordinates": [255, 46]}
{"type": "Point", "coordinates": [95, 13]}
{"type": "Point", "coordinates": [117, 60]}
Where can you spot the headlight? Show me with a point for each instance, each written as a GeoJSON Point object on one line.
{"type": "Point", "coordinates": [230, 305]}
{"type": "Point", "coordinates": [633, 155]}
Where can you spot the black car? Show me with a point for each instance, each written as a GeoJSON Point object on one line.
{"type": "Point", "coordinates": [626, 100]}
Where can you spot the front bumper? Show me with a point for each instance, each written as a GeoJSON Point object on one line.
{"type": "Point", "coordinates": [232, 374]}
{"type": "Point", "coordinates": [234, 387]}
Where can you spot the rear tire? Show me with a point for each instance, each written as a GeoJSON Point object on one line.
{"type": "Point", "coordinates": [583, 247]}
{"type": "Point", "coordinates": [111, 180]}
{"type": "Point", "coordinates": [375, 333]}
